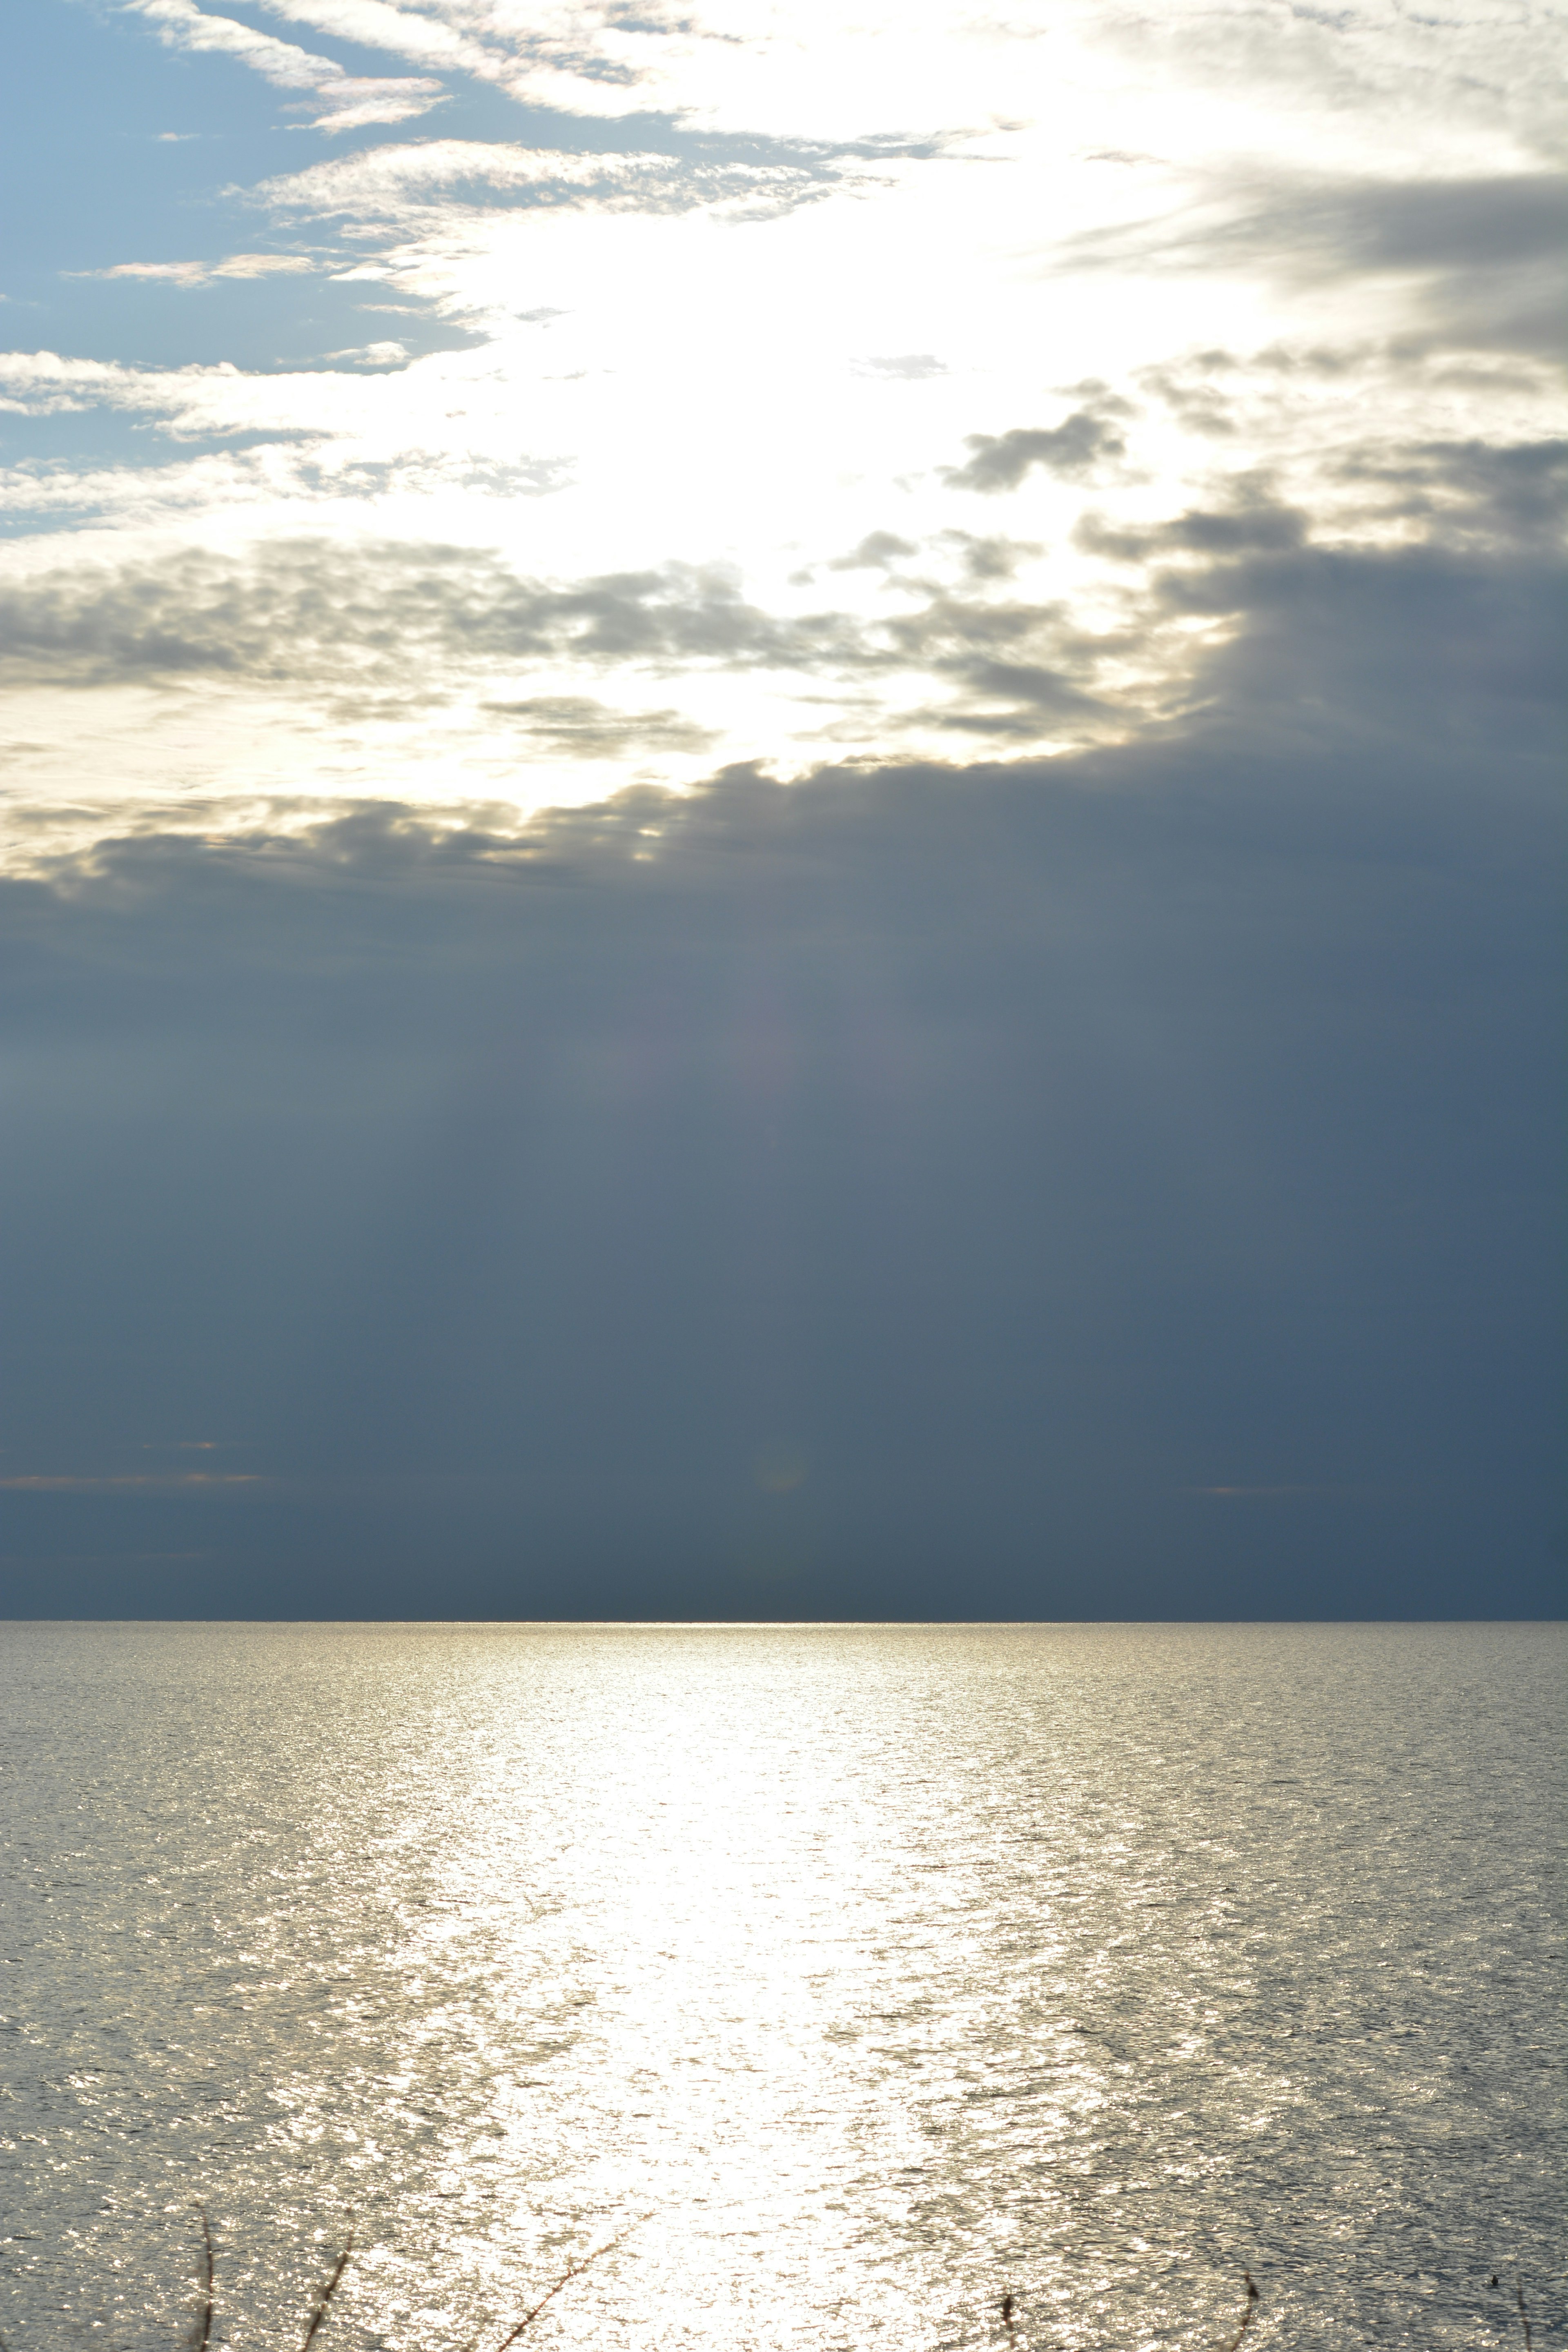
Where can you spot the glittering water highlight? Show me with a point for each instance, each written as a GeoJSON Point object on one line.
{"type": "Point", "coordinates": [848, 1978]}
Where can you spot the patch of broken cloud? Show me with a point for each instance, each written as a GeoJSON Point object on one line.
{"type": "Point", "coordinates": [999, 461]}
{"type": "Point", "coordinates": [908, 367]}
{"type": "Point", "coordinates": [583, 729]}
{"type": "Point", "coordinates": [407, 182]}
{"type": "Point", "coordinates": [202, 273]}
{"type": "Point", "coordinates": [1483, 259]}
{"type": "Point", "coordinates": [333, 99]}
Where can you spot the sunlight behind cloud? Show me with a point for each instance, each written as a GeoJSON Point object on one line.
{"type": "Point", "coordinates": [993, 294]}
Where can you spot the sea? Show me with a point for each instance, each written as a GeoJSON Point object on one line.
{"type": "Point", "coordinates": [808, 1987]}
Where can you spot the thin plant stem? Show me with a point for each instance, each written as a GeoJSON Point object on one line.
{"type": "Point", "coordinates": [572, 2271]}
{"type": "Point", "coordinates": [1252, 2300]}
{"type": "Point", "coordinates": [1523, 2315]}
{"type": "Point", "coordinates": [204, 2338]}
{"type": "Point", "coordinates": [329, 2290]}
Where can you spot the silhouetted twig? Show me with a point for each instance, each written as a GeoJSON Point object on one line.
{"type": "Point", "coordinates": [571, 2271]}
{"type": "Point", "coordinates": [1252, 2299]}
{"type": "Point", "coordinates": [1523, 2315]}
{"type": "Point", "coordinates": [329, 2290]}
{"type": "Point", "coordinates": [201, 2336]}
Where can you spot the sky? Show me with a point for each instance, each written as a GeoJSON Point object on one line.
{"type": "Point", "coordinates": [781, 827]}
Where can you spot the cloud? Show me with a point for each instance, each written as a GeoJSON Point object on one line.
{"type": "Point", "coordinates": [582, 729]}
{"type": "Point", "coordinates": [356, 623]}
{"type": "Point", "coordinates": [1364, 637]}
{"type": "Point", "coordinates": [1248, 523]}
{"type": "Point", "coordinates": [148, 1481]}
{"type": "Point", "coordinates": [406, 180]}
{"type": "Point", "coordinates": [344, 437]}
{"type": "Point", "coordinates": [993, 649]}
{"type": "Point", "coordinates": [1029, 1142]}
{"type": "Point", "coordinates": [993, 557]}
{"type": "Point", "coordinates": [383, 355]}
{"type": "Point", "coordinates": [876, 553]}
{"type": "Point", "coordinates": [1019, 1139]}
{"type": "Point", "coordinates": [335, 100]}
{"type": "Point", "coordinates": [202, 273]}
{"type": "Point", "coordinates": [1270, 1491]}
{"type": "Point", "coordinates": [1069, 450]}
{"type": "Point", "coordinates": [754, 67]}
{"type": "Point", "coordinates": [960, 639]}
{"type": "Point", "coordinates": [1513, 494]}
{"type": "Point", "coordinates": [561, 54]}
{"type": "Point", "coordinates": [1486, 254]}
{"type": "Point", "coordinates": [424, 35]}
{"type": "Point", "coordinates": [1368, 64]}
{"type": "Point", "coordinates": [1464, 225]}
{"type": "Point", "coordinates": [1492, 254]}
{"type": "Point", "coordinates": [908, 367]}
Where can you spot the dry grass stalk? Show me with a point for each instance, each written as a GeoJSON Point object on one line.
{"type": "Point", "coordinates": [1251, 2305]}
{"type": "Point", "coordinates": [1010, 2306]}
{"type": "Point", "coordinates": [329, 2290]}
{"type": "Point", "coordinates": [201, 2335]}
{"type": "Point", "coordinates": [571, 2271]}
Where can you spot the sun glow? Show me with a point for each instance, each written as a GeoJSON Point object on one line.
{"type": "Point", "coordinates": [709, 447]}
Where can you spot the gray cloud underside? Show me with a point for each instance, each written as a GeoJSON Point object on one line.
{"type": "Point", "coordinates": [1493, 252]}
{"type": "Point", "coordinates": [351, 626]}
{"type": "Point", "coordinates": [1071, 450]}
{"type": "Point", "coordinates": [348, 627]}
{"type": "Point", "coordinates": [586, 729]}
{"type": "Point", "coordinates": [1027, 1146]}
{"type": "Point", "coordinates": [1441, 225]}
{"type": "Point", "coordinates": [306, 611]}
{"type": "Point", "coordinates": [1514, 495]}
{"type": "Point", "coordinates": [876, 553]}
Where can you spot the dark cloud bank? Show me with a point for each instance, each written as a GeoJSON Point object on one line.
{"type": "Point", "coordinates": [1121, 1185]}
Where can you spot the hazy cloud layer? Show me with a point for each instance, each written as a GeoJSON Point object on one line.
{"type": "Point", "coordinates": [1490, 256]}
{"type": "Point", "coordinates": [799, 739]}
{"type": "Point", "coordinates": [1456, 547]}
{"type": "Point", "coordinates": [759, 60]}
{"type": "Point", "coordinates": [1046, 1155]}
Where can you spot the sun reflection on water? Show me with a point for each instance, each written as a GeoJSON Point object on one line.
{"type": "Point", "coordinates": [833, 1982]}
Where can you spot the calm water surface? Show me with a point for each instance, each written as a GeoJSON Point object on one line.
{"type": "Point", "coordinates": [858, 1975]}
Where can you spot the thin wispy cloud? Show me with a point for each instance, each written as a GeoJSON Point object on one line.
{"type": "Point", "coordinates": [125, 1483]}
{"type": "Point", "coordinates": [202, 273]}
{"type": "Point", "coordinates": [331, 98]}
{"type": "Point", "coordinates": [402, 184]}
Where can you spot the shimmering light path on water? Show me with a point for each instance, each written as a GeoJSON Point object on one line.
{"type": "Point", "coordinates": [859, 1974]}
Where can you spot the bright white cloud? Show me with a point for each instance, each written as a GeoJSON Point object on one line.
{"type": "Point", "coordinates": [805, 68]}
{"type": "Point", "coordinates": [335, 100]}
{"type": "Point", "coordinates": [387, 184]}
{"type": "Point", "coordinates": [925, 411]}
